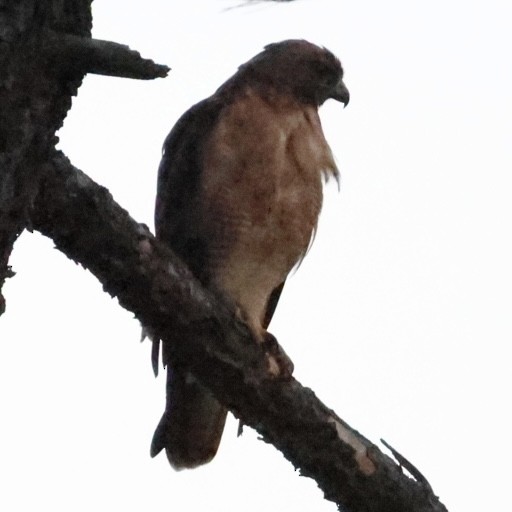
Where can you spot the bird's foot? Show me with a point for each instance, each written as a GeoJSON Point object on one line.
{"type": "Point", "coordinates": [279, 364]}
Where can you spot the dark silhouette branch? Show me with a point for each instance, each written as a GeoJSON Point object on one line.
{"type": "Point", "coordinates": [100, 57]}
{"type": "Point", "coordinates": [87, 225]}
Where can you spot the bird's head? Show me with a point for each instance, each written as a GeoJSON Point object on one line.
{"type": "Point", "coordinates": [311, 73]}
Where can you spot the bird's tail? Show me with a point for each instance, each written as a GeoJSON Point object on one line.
{"type": "Point", "coordinates": [191, 426]}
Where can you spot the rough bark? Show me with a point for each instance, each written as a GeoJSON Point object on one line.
{"type": "Point", "coordinates": [31, 109]}
{"type": "Point", "coordinates": [45, 49]}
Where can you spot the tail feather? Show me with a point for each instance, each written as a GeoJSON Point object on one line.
{"type": "Point", "coordinates": [192, 424]}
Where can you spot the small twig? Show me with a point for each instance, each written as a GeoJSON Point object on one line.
{"type": "Point", "coordinates": [413, 470]}
{"type": "Point", "coordinates": [100, 57]}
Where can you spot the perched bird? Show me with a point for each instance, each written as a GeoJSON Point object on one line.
{"type": "Point", "coordinates": [239, 195]}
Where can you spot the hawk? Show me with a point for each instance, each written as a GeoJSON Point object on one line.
{"type": "Point", "coordinates": [239, 195]}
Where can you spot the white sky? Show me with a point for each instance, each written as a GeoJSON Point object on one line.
{"type": "Point", "coordinates": [399, 318]}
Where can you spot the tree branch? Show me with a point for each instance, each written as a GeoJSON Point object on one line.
{"type": "Point", "coordinates": [87, 225]}
{"type": "Point", "coordinates": [86, 55]}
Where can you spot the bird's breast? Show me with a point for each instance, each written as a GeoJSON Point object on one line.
{"type": "Point", "coordinates": [262, 188]}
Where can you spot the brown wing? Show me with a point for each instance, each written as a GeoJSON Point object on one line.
{"type": "Point", "coordinates": [192, 424]}
{"type": "Point", "coordinates": [179, 176]}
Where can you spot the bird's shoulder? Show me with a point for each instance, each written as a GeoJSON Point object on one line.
{"type": "Point", "coordinates": [181, 165]}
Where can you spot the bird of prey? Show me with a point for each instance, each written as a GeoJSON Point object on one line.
{"type": "Point", "coordinates": [239, 195]}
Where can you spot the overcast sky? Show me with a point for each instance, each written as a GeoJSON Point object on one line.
{"type": "Point", "coordinates": [399, 318]}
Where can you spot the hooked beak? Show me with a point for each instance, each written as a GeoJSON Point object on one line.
{"type": "Point", "coordinates": [341, 93]}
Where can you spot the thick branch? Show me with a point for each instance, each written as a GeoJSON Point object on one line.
{"type": "Point", "coordinates": [87, 55]}
{"type": "Point", "coordinates": [149, 280]}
